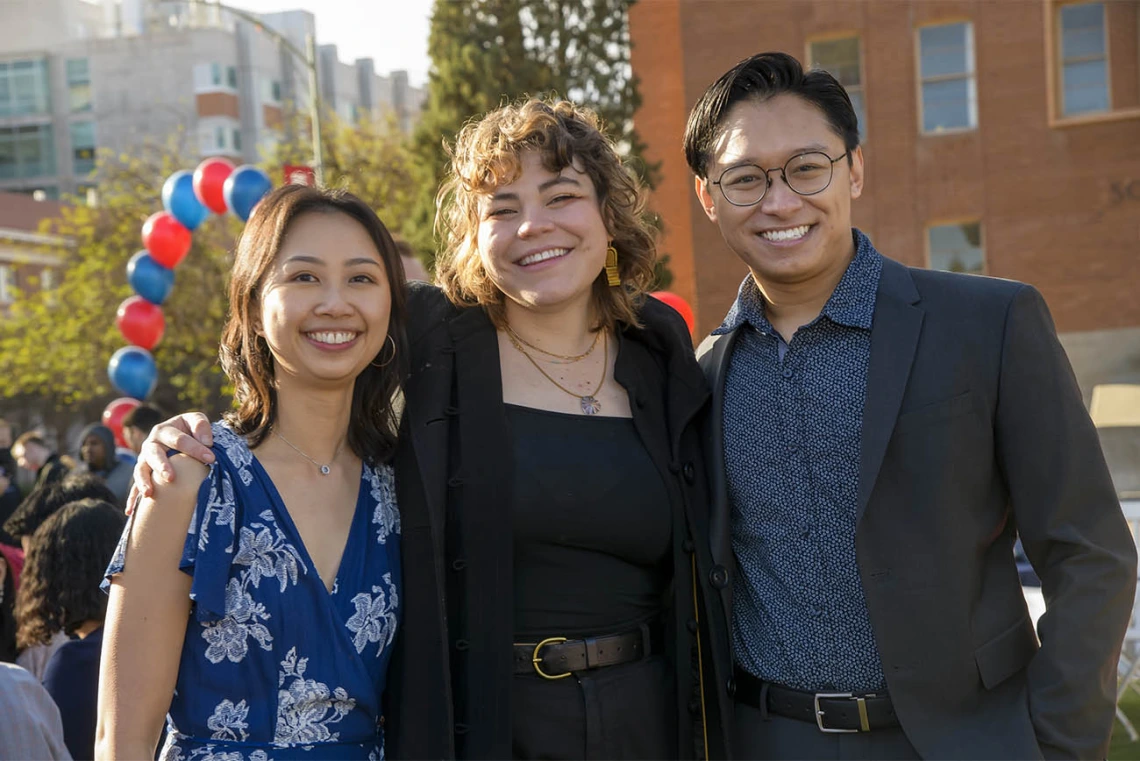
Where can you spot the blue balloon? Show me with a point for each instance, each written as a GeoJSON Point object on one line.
{"type": "Point", "coordinates": [179, 199]}
{"type": "Point", "coordinates": [245, 186]}
{"type": "Point", "coordinates": [132, 372]}
{"type": "Point", "coordinates": [150, 279]}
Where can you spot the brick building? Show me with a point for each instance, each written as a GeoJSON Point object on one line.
{"type": "Point", "coordinates": [999, 137]}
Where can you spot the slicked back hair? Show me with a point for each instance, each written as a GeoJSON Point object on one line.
{"type": "Point", "coordinates": [764, 76]}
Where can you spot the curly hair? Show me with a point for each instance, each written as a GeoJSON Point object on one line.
{"type": "Point", "coordinates": [487, 153]}
{"type": "Point", "coordinates": [59, 588]}
{"type": "Point", "coordinates": [46, 499]}
{"type": "Point", "coordinates": [245, 356]}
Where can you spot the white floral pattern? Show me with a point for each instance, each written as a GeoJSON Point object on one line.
{"type": "Point", "coordinates": [222, 506]}
{"type": "Point", "coordinates": [236, 449]}
{"type": "Point", "coordinates": [306, 708]}
{"type": "Point", "coordinates": [266, 553]}
{"type": "Point", "coordinates": [228, 721]}
{"type": "Point", "coordinates": [386, 516]}
{"type": "Point", "coordinates": [375, 617]}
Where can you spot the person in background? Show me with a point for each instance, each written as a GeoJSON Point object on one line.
{"type": "Point", "coordinates": [30, 727]}
{"type": "Point", "coordinates": [97, 452]}
{"type": "Point", "coordinates": [32, 453]}
{"type": "Point", "coordinates": [60, 592]}
{"type": "Point", "coordinates": [6, 438]}
{"type": "Point", "coordinates": [11, 566]}
{"type": "Point", "coordinates": [138, 422]}
{"type": "Point", "coordinates": [36, 508]}
{"type": "Point", "coordinates": [10, 496]}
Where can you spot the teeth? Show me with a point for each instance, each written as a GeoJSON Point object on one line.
{"type": "Point", "coordinates": [794, 233]}
{"type": "Point", "coordinates": [542, 256]}
{"type": "Point", "coordinates": [331, 337]}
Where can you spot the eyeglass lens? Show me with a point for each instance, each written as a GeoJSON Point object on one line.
{"type": "Point", "coordinates": [806, 174]}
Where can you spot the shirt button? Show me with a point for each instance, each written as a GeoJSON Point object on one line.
{"type": "Point", "coordinates": [788, 373]}
{"type": "Point", "coordinates": [731, 686]}
{"type": "Point", "coordinates": [458, 564]}
{"type": "Point", "coordinates": [689, 472]}
{"type": "Point", "coordinates": [462, 645]}
{"type": "Point", "coordinates": [691, 624]}
{"type": "Point", "coordinates": [718, 577]}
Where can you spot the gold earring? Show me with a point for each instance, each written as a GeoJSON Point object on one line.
{"type": "Point", "coordinates": [385, 364]}
{"type": "Point", "coordinates": [612, 276]}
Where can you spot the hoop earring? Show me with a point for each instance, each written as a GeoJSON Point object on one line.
{"type": "Point", "coordinates": [612, 276]}
{"type": "Point", "coordinates": [385, 364]}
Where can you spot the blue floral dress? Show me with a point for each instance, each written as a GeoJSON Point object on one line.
{"type": "Point", "coordinates": [274, 666]}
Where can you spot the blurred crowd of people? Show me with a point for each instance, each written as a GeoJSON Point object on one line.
{"type": "Point", "coordinates": [57, 535]}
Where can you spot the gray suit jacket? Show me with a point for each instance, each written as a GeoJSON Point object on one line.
{"type": "Point", "coordinates": [974, 430]}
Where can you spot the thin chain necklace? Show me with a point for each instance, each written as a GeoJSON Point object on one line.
{"type": "Point", "coordinates": [569, 358]}
{"type": "Point", "coordinates": [589, 402]}
{"type": "Point", "coordinates": [324, 469]}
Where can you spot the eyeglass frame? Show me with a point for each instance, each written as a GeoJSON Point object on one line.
{"type": "Point", "coordinates": [783, 176]}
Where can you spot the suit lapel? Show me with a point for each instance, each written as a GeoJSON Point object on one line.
{"type": "Point", "coordinates": [894, 339]}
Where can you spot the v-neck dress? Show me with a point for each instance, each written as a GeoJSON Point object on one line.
{"type": "Point", "coordinates": [274, 666]}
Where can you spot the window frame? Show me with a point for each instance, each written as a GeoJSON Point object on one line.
{"type": "Point", "coordinates": [1053, 73]}
{"type": "Point", "coordinates": [75, 167]}
{"type": "Point", "coordinates": [835, 36]}
{"type": "Point", "coordinates": [74, 83]}
{"type": "Point", "coordinates": [970, 76]}
{"type": "Point", "coordinates": [7, 283]}
{"type": "Point", "coordinates": [949, 222]}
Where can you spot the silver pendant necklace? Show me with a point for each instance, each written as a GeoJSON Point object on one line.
{"type": "Point", "coordinates": [324, 469]}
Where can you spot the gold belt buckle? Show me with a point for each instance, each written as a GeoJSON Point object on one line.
{"type": "Point", "coordinates": [536, 659]}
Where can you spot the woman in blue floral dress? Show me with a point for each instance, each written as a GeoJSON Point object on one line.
{"type": "Point", "coordinates": [255, 602]}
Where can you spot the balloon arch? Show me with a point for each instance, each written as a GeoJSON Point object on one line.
{"type": "Point", "coordinates": [187, 199]}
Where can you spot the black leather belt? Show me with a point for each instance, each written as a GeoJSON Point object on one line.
{"type": "Point", "coordinates": [830, 711]}
{"type": "Point", "coordinates": [558, 657]}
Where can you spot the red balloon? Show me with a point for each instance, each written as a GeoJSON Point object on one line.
{"type": "Point", "coordinates": [140, 322]}
{"type": "Point", "coordinates": [113, 416]}
{"type": "Point", "coordinates": [209, 179]}
{"type": "Point", "coordinates": [165, 238]}
{"type": "Point", "coordinates": [679, 304]}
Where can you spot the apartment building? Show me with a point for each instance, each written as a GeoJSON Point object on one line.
{"type": "Point", "coordinates": [77, 75]}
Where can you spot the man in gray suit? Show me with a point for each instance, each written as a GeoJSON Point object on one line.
{"type": "Point", "coordinates": [879, 435]}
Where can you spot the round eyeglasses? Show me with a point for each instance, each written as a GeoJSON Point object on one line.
{"type": "Point", "coordinates": [806, 174]}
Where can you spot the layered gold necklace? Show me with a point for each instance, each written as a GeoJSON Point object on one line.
{"type": "Point", "coordinates": [589, 402]}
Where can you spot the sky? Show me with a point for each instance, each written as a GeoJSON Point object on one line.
{"type": "Point", "coordinates": [394, 33]}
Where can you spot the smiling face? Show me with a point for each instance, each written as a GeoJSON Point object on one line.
{"type": "Point", "coordinates": [325, 300]}
{"type": "Point", "coordinates": [786, 238]}
{"type": "Point", "coordinates": [541, 237]}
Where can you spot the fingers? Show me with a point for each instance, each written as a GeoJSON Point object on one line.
{"type": "Point", "coordinates": [133, 498]}
{"type": "Point", "coordinates": [144, 483]}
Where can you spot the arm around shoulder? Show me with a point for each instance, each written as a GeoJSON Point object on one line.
{"type": "Point", "coordinates": [1069, 518]}
{"type": "Point", "coordinates": [146, 619]}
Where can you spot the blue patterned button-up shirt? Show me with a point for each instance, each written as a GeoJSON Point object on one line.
{"type": "Point", "coordinates": [793, 416]}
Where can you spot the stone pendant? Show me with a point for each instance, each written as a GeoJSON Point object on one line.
{"type": "Point", "coordinates": [325, 470]}
{"type": "Point", "coordinates": [590, 405]}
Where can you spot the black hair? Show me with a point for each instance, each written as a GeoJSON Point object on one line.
{"type": "Point", "coordinates": [759, 78]}
{"type": "Point", "coordinates": [144, 417]}
{"type": "Point", "coordinates": [59, 588]}
{"type": "Point", "coordinates": [46, 499]}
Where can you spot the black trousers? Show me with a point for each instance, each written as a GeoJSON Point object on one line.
{"type": "Point", "coordinates": [617, 712]}
{"type": "Point", "coordinates": [777, 737]}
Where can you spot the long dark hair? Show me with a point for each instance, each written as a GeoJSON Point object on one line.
{"type": "Point", "coordinates": [59, 588]}
{"type": "Point", "coordinates": [245, 356]}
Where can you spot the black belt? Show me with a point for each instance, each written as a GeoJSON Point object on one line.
{"type": "Point", "coordinates": [558, 657]}
{"type": "Point", "coordinates": [830, 711]}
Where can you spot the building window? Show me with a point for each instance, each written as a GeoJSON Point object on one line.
{"type": "Point", "coordinates": [219, 137]}
{"type": "Point", "coordinates": [276, 91]}
{"type": "Point", "coordinates": [1084, 59]}
{"type": "Point", "coordinates": [841, 58]}
{"type": "Point", "coordinates": [26, 151]}
{"type": "Point", "coordinates": [231, 77]}
{"type": "Point", "coordinates": [237, 140]}
{"type": "Point", "coordinates": [78, 85]}
{"type": "Point", "coordinates": [83, 147]}
{"type": "Point", "coordinates": [24, 88]}
{"type": "Point", "coordinates": [957, 248]}
{"type": "Point", "coordinates": [47, 279]}
{"type": "Point", "coordinates": [216, 74]}
{"type": "Point", "coordinates": [949, 85]}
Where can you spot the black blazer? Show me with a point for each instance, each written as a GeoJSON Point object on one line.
{"type": "Point", "coordinates": [974, 430]}
{"type": "Point", "coordinates": [452, 668]}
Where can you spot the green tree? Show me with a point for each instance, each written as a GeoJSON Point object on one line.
{"type": "Point", "coordinates": [370, 159]}
{"type": "Point", "coordinates": [55, 344]}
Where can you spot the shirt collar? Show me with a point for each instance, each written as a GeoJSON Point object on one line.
{"type": "Point", "coordinates": [852, 303]}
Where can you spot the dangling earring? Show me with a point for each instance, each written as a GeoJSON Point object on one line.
{"type": "Point", "coordinates": [612, 276]}
{"type": "Point", "coordinates": [385, 364]}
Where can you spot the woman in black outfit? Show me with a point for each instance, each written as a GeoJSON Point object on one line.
{"type": "Point", "coordinates": [559, 595]}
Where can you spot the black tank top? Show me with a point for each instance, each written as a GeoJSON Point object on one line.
{"type": "Point", "coordinates": [592, 525]}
